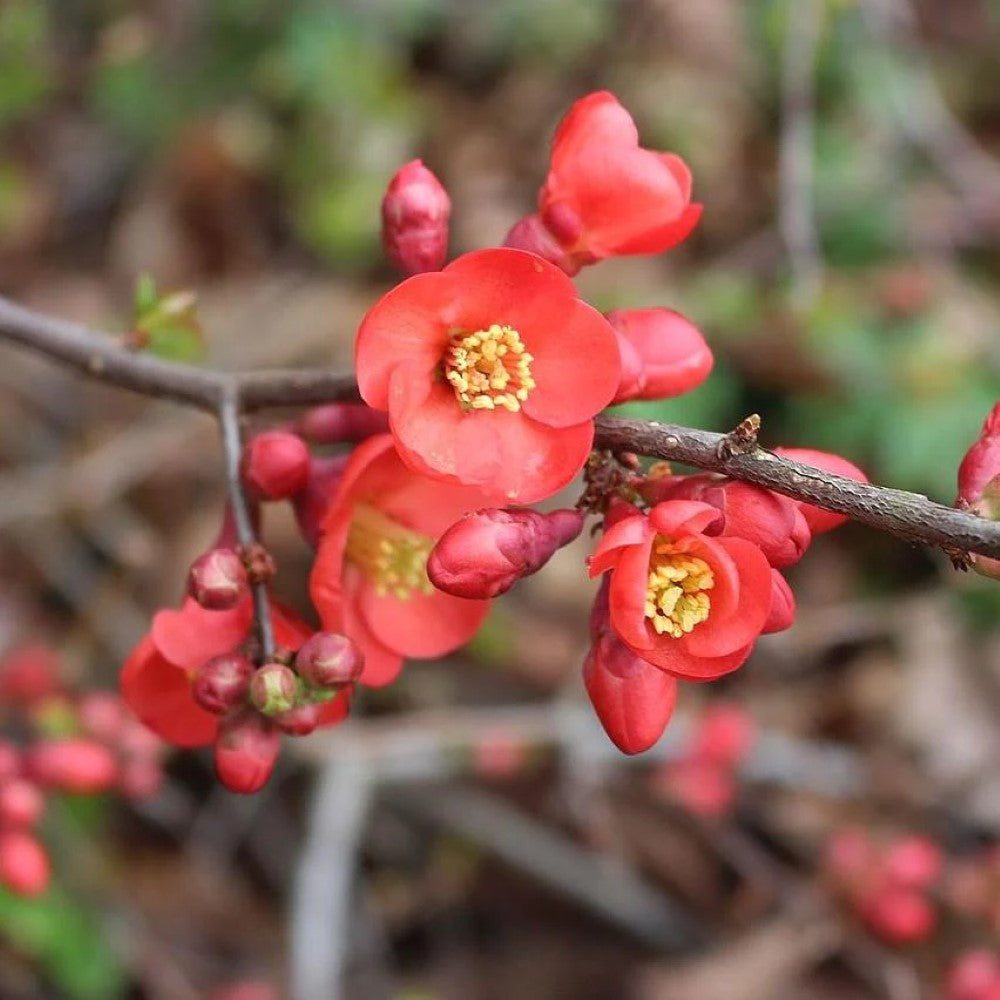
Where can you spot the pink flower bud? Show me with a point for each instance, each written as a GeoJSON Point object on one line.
{"type": "Point", "coordinates": [218, 580]}
{"type": "Point", "coordinates": [782, 613]}
{"type": "Point", "coordinates": [532, 235]}
{"type": "Point", "coordinates": [29, 674]}
{"type": "Point", "coordinates": [703, 787]}
{"type": "Point", "coordinates": [24, 865]}
{"type": "Point", "coordinates": [341, 423]}
{"type": "Point", "coordinates": [102, 715]}
{"type": "Point", "coordinates": [486, 553]}
{"type": "Point", "coordinates": [273, 688]}
{"type": "Point", "coordinates": [246, 749]}
{"type": "Point", "coordinates": [974, 976]}
{"type": "Point", "coordinates": [72, 765]}
{"type": "Point", "coordinates": [725, 735]}
{"type": "Point", "coordinates": [820, 520]}
{"type": "Point", "coordinates": [415, 212]}
{"type": "Point", "coordinates": [850, 855]}
{"type": "Point", "coordinates": [140, 778]}
{"type": "Point", "coordinates": [10, 760]}
{"type": "Point", "coordinates": [311, 503]}
{"type": "Point", "coordinates": [981, 462]}
{"type": "Point", "coordinates": [673, 357]}
{"type": "Point", "coordinates": [275, 465]}
{"type": "Point", "coordinates": [913, 861]}
{"type": "Point", "coordinates": [222, 683]}
{"type": "Point", "coordinates": [329, 660]}
{"type": "Point", "coordinates": [299, 720]}
{"type": "Point", "coordinates": [899, 915]}
{"type": "Point", "coordinates": [21, 803]}
{"type": "Point", "coordinates": [250, 990]}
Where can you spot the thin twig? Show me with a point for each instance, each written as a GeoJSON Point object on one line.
{"type": "Point", "coordinates": [908, 515]}
{"type": "Point", "coordinates": [229, 421]}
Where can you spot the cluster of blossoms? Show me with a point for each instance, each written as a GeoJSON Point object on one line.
{"type": "Point", "coordinates": [60, 742]}
{"type": "Point", "coordinates": [481, 379]}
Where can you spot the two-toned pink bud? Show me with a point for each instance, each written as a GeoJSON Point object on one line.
{"type": "Point", "coordinates": [275, 465]}
{"type": "Point", "coordinates": [632, 699]}
{"type": "Point", "coordinates": [222, 683]}
{"type": "Point", "coordinates": [415, 213]}
{"type": "Point", "coordinates": [246, 749]}
{"type": "Point", "coordinates": [486, 553]}
{"type": "Point", "coordinates": [217, 579]}
{"type": "Point", "coordinates": [329, 660]}
{"type": "Point", "coordinates": [663, 354]}
{"type": "Point", "coordinates": [274, 689]}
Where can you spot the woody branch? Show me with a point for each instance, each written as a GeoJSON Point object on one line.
{"type": "Point", "coordinates": [910, 516]}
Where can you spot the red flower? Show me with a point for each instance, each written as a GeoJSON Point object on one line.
{"type": "Point", "coordinates": [491, 371]}
{"type": "Point", "coordinates": [369, 580]}
{"type": "Point", "coordinates": [820, 520]}
{"type": "Point", "coordinates": [605, 195]}
{"type": "Point", "coordinates": [981, 463]}
{"type": "Point", "coordinates": [663, 354]}
{"type": "Point", "coordinates": [689, 604]}
{"type": "Point", "coordinates": [157, 677]}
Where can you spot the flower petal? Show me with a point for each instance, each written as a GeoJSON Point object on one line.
{"type": "Point", "coordinates": [190, 635]}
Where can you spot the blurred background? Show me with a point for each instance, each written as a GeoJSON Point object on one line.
{"type": "Point", "coordinates": [475, 835]}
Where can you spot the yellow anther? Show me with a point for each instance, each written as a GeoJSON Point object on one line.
{"type": "Point", "coordinates": [391, 555]}
{"type": "Point", "coordinates": [676, 598]}
{"type": "Point", "coordinates": [489, 369]}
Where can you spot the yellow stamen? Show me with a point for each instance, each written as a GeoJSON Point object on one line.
{"type": "Point", "coordinates": [489, 369]}
{"type": "Point", "coordinates": [392, 556]}
{"type": "Point", "coordinates": [676, 598]}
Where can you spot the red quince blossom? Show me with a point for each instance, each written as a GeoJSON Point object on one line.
{"type": "Point", "coordinates": [774, 523]}
{"type": "Point", "coordinates": [486, 553]}
{"type": "Point", "coordinates": [369, 581]}
{"type": "Point", "coordinates": [782, 613]}
{"type": "Point", "coordinates": [605, 195]}
{"type": "Point", "coordinates": [690, 604]}
{"type": "Point", "coordinates": [663, 354]}
{"type": "Point", "coordinates": [981, 463]}
{"type": "Point", "coordinates": [156, 680]}
{"type": "Point", "coordinates": [415, 213]}
{"type": "Point", "coordinates": [491, 371]}
{"type": "Point", "coordinates": [820, 520]}
{"type": "Point", "coordinates": [632, 699]}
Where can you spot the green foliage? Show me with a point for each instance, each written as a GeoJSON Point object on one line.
{"type": "Point", "coordinates": [166, 325]}
{"type": "Point", "coordinates": [24, 82]}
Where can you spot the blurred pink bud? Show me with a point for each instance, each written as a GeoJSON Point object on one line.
{"type": "Point", "coordinates": [703, 787]}
{"type": "Point", "coordinates": [246, 749]}
{"type": "Point", "coordinates": [24, 865]}
{"type": "Point", "coordinates": [899, 915]}
{"type": "Point", "coordinates": [29, 674]}
{"type": "Point", "coordinates": [342, 423]}
{"type": "Point", "coordinates": [249, 990]}
{"type": "Point", "coordinates": [21, 803]}
{"type": "Point", "coordinates": [725, 734]}
{"type": "Point", "coordinates": [222, 683]}
{"type": "Point", "coordinates": [140, 778]}
{"type": "Point", "coordinates": [218, 580]}
{"type": "Point", "coordinates": [275, 465]}
{"type": "Point", "coordinates": [820, 520]}
{"type": "Point", "coordinates": [981, 462]}
{"type": "Point", "coordinates": [10, 760]}
{"type": "Point", "coordinates": [329, 660]}
{"type": "Point", "coordinates": [486, 553]}
{"type": "Point", "coordinates": [975, 975]}
{"type": "Point", "coordinates": [415, 212]}
{"type": "Point", "coordinates": [532, 235]}
{"type": "Point", "coordinates": [913, 861]}
{"type": "Point", "coordinates": [672, 355]}
{"type": "Point", "coordinates": [273, 688]}
{"type": "Point", "coordinates": [782, 613]}
{"type": "Point", "coordinates": [102, 715]}
{"type": "Point", "coordinates": [75, 765]}
{"type": "Point", "coordinates": [312, 502]}
{"type": "Point", "coordinates": [850, 854]}
{"type": "Point", "coordinates": [632, 699]}
{"type": "Point", "coordinates": [300, 720]}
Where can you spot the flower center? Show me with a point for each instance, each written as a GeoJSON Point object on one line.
{"type": "Point", "coordinates": [392, 556]}
{"type": "Point", "coordinates": [489, 368]}
{"type": "Point", "coordinates": [676, 598]}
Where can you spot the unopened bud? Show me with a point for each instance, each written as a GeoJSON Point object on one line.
{"type": "Point", "coordinates": [75, 765]}
{"type": "Point", "coordinates": [782, 613]}
{"type": "Point", "coordinates": [10, 760]}
{"type": "Point", "coordinates": [246, 749]}
{"type": "Point", "coordinates": [724, 735]}
{"type": "Point", "coordinates": [486, 553]}
{"type": "Point", "coordinates": [102, 715]}
{"type": "Point", "coordinates": [531, 234]}
{"type": "Point", "coordinates": [222, 683]}
{"type": "Point", "coordinates": [981, 463]}
{"type": "Point", "coordinates": [218, 580]}
{"type": "Point", "coordinates": [300, 720]}
{"type": "Point", "coordinates": [140, 778]}
{"type": "Point", "coordinates": [415, 212]}
{"type": "Point", "coordinates": [273, 688]}
{"type": "Point", "coordinates": [21, 804]}
{"type": "Point", "coordinates": [311, 503]}
{"type": "Point", "coordinates": [275, 465]}
{"type": "Point", "coordinates": [329, 660]}
{"type": "Point", "coordinates": [29, 674]}
{"type": "Point", "coordinates": [24, 865]}
{"type": "Point", "coordinates": [342, 423]}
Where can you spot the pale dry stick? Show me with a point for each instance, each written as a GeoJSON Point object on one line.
{"type": "Point", "coordinates": [908, 515]}
{"type": "Point", "coordinates": [796, 142]}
